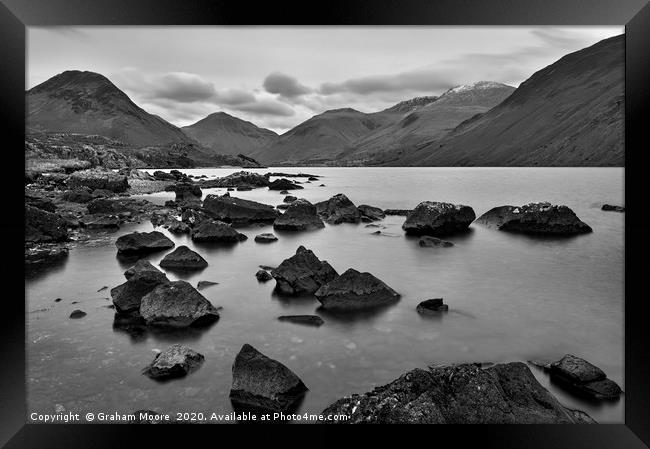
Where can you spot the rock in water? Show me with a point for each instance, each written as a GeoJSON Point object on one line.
{"type": "Point", "coordinates": [264, 383]}
{"type": "Point", "coordinates": [175, 361]}
{"type": "Point", "coordinates": [581, 376]}
{"type": "Point", "coordinates": [238, 179]}
{"type": "Point", "coordinates": [355, 291]}
{"type": "Point", "coordinates": [301, 215]}
{"type": "Point", "coordinates": [284, 184]}
{"type": "Point", "coordinates": [370, 213]}
{"type": "Point", "coordinates": [76, 314]}
{"type": "Point", "coordinates": [238, 211]}
{"type": "Point", "coordinates": [434, 218]}
{"type": "Point", "coordinates": [142, 278]}
{"type": "Point", "coordinates": [263, 276]}
{"type": "Point", "coordinates": [289, 199]}
{"type": "Point", "coordinates": [309, 320]}
{"type": "Point", "coordinates": [432, 306]}
{"type": "Point", "coordinates": [265, 238]}
{"type": "Point", "coordinates": [400, 212]}
{"type": "Point", "coordinates": [427, 241]}
{"type": "Point", "coordinates": [205, 284]}
{"type": "Point", "coordinates": [177, 304]}
{"type": "Point", "coordinates": [609, 207]}
{"type": "Point", "coordinates": [302, 273]}
{"type": "Point", "coordinates": [183, 258]}
{"type": "Point", "coordinates": [178, 227]}
{"type": "Point", "coordinates": [459, 394]}
{"type": "Point", "coordinates": [338, 209]}
{"type": "Point", "coordinates": [99, 178]}
{"type": "Point", "coordinates": [216, 231]}
{"type": "Point", "coordinates": [45, 253]}
{"type": "Point", "coordinates": [143, 242]}
{"type": "Point", "coordinates": [44, 227]}
{"type": "Point", "coordinates": [187, 191]}
{"type": "Point", "coordinates": [535, 218]}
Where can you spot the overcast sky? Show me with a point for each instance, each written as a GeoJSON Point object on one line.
{"type": "Point", "coordinates": [277, 77]}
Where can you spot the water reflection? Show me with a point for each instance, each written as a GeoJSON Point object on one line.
{"type": "Point", "coordinates": [138, 331]}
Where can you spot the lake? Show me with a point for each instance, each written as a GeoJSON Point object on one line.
{"type": "Point", "coordinates": [511, 297]}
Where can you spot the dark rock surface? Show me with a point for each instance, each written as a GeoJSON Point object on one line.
{"type": "Point", "coordinates": [261, 382]}
{"type": "Point", "coordinates": [355, 291]}
{"type": "Point", "coordinates": [429, 242]}
{"type": "Point", "coordinates": [176, 361]}
{"type": "Point", "coordinates": [265, 238]}
{"type": "Point", "coordinates": [143, 242]}
{"type": "Point", "coordinates": [308, 320]}
{"type": "Point", "coordinates": [584, 378]}
{"type": "Point", "coordinates": [44, 227]}
{"type": "Point", "coordinates": [100, 221]}
{"type": "Point", "coordinates": [81, 195]}
{"type": "Point", "coordinates": [177, 304]}
{"type": "Point", "coordinates": [284, 184]}
{"type": "Point", "coordinates": [432, 306]}
{"type": "Point", "coordinates": [612, 208]}
{"type": "Point", "coordinates": [205, 284]}
{"type": "Point", "coordinates": [178, 227]}
{"type": "Point", "coordinates": [459, 394]}
{"type": "Point", "coordinates": [263, 276]}
{"type": "Point", "coordinates": [142, 278]}
{"type": "Point", "coordinates": [371, 213]}
{"type": "Point", "coordinates": [535, 218]}
{"type": "Point", "coordinates": [98, 178]}
{"type": "Point", "coordinates": [238, 211]}
{"type": "Point", "coordinates": [238, 179]}
{"type": "Point", "coordinates": [400, 212]}
{"type": "Point", "coordinates": [183, 258]}
{"type": "Point", "coordinates": [338, 209]}
{"type": "Point", "coordinates": [434, 218]}
{"type": "Point", "coordinates": [301, 215]}
{"type": "Point", "coordinates": [76, 314]}
{"type": "Point", "coordinates": [216, 231]}
{"type": "Point", "coordinates": [289, 199]}
{"type": "Point", "coordinates": [40, 202]}
{"type": "Point", "coordinates": [302, 273]}
{"type": "Point", "coordinates": [187, 191]}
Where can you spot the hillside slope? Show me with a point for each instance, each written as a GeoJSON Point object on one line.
{"type": "Point", "coordinates": [570, 113]}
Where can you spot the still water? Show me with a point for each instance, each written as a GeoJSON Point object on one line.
{"type": "Point", "coordinates": [511, 297]}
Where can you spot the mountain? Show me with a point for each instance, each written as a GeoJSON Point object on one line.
{"type": "Point", "coordinates": [428, 121]}
{"type": "Point", "coordinates": [407, 106]}
{"type": "Point", "coordinates": [320, 138]}
{"type": "Point", "coordinates": [88, 103]}
{"type": "Point", "coordinates": [570, 113]}
{"type": "Point", "coordinates": [226, 134]}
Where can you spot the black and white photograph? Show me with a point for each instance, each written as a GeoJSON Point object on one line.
{"type": "Point", "coordinates": [325, 224]}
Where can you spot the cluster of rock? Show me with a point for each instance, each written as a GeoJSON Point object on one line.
{"type": "Point", "coordinates": [238, 211]}
{"type": "Point", "coordinates": [459, 394]}
{"type": "Point", "coordinates": [435, 219]}
{"type": "Point", "coordinates": [237, 180]}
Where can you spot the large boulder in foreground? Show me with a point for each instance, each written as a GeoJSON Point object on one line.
{"type": "Point", "coordinates": [584, 378]}
{"type": "Point", "coordinates": [263, 383]}
{"type": "Point", "coordinates": [183, 258]}
{"type": "Point", "coordinates": [238, 211]}
{"type": "Point", "coordinates": [284, 184]}
{"type": "Point", "coordinates": [143, 242]}
{"type": "Point", "coordinates": [301, 215]}
{"type": "Point", "coordinates": [338, 209]}
{"type": "Point", "coordinates": [99, 178]}
{"type": "Point", "coordinates": [176, 361]}
{"type": "Point", "coordinates": [434, 218]}
{"type": "Point", "coordinates": [535, 218]}
{"type": "Point", "coordinates": [142, 278]}
{"type": "Point", "coordinates": [44, 227]}
{"type": "Point", "coordinates": [302, 273]}
{"type": "Point", "coordinates": [216, 231]}
{"type": "Point", "coordinates": [459, 394]}
{"type": "Point", "coordinates": [355, 291]}
{"type": "Point", "coordinates": [177, 304]}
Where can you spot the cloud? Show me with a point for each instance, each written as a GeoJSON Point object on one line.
{"type": "Point", "coordinates": [417, 80]}
{"type": "Point", "coordinates": [266, 107]}
{"type": "Point", "coordinates": [284, 85]}
{"type": "Point", "coordinates": [181, 87]}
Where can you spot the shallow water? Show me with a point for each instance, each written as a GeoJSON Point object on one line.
{"type": "Point", "coordinates": [511, 297]}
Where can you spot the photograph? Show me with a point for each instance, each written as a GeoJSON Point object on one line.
{"type": "Point", "coordinates": [325, 224]}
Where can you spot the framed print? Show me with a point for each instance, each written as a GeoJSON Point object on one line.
{"type": "Point", "coordinates": [380, 213]}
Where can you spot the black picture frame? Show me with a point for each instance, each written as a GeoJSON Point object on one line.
{"type": "Point", "coordinates": [15, 15]}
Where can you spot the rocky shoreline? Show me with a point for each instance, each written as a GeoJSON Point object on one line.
{"type": "Point", "coordinates": [62, 209]}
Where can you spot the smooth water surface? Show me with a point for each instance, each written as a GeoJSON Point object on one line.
{"type": "Point", "coordinates": [511, 297]}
